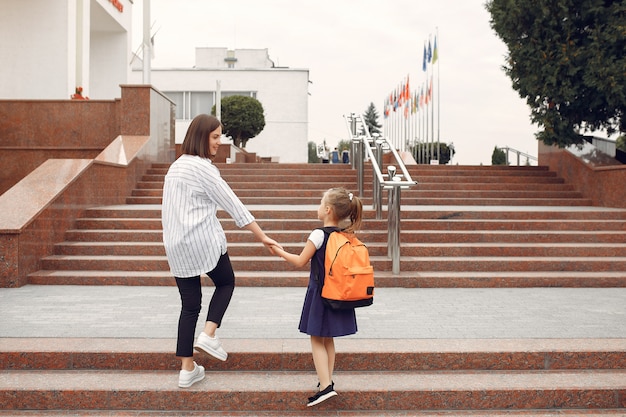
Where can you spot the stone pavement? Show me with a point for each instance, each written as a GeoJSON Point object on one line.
{"type": "Point", "coordinates": [273, 312]}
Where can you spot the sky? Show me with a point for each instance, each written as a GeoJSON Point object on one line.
{"type": "Point", "coordinates": [358, 52]}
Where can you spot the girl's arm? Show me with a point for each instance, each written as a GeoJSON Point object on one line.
{"type": "Point", "coordinates": [297, 260]}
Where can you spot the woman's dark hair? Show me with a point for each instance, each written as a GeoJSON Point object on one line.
{"type": "Point", "coordinates": [197, 138]}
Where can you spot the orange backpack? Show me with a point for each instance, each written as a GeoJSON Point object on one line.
{"type": "Point", "coordinates": [349, 276]}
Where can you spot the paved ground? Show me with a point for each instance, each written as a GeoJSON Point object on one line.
{"type": "Point", "coordinates": [152, 312]}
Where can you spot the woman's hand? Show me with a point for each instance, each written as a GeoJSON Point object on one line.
{"type": "Point", "coordinates": [271, 244]}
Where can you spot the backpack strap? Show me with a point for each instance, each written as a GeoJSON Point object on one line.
{"type": "Point", "coordinates": [314, 265]}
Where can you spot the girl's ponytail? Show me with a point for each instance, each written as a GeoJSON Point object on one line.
{"type": "Point", "coordinates": [346, 206]}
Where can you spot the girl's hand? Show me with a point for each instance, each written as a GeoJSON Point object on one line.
{"type": "Point", "coordinates": [271, 244]}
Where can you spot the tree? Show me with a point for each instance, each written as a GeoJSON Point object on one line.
{"type": "Point", "coordinates": [242, 117]}
{"type": "Point", "coordinates": [566, 58]}
{"type": "Point", "coordinates": [344, 145]}
{"type": "Point", "coordinates": [371, 120]}
{"type": "Point", "coordinates": [313, 158]}
{"type": "Point", "coordinates": [446, 152]}
{"type": "Point", "coordinates": [498, 157]}
{"type": "Point", "coordinates": [620, 143]}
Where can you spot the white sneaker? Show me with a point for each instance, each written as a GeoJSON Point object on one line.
{"type": "Point", "coordinates": [188, 378]}
{"type": "Point", "coordinates": [211, 346]}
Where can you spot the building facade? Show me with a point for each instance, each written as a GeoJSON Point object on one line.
{"type": "Point", "coordinates": [51, 48]}
{"type": "Point", "coordinates": [282, 91]}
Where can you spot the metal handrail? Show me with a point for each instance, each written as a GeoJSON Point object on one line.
{"type": "Point", "coordinates": [507, 149]}
{"type": "Point", "coordinates": [365, 147]}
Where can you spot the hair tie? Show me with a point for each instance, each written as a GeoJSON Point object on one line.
{"type": "Point", "coordinates": [350, 195]}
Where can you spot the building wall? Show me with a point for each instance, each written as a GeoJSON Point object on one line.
{"type": "Point", "coordinates": [49, 48]}
{"type": "Point", "coordinates": [225, 58]}
{"type": "Point", "coordinates": [34, 47]}
{"type": "Point", "coordinates": [283, 92]}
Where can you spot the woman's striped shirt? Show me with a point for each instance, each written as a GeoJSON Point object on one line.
{"type": "Point", "coordinates": [192, 234]}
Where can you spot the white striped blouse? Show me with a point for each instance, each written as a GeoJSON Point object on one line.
{"type": "Point", "coordinates": [192, 234]}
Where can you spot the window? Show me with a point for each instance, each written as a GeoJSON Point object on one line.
{"type": "Point", "coordinates": [200, 102]}
{"type": "Point", "coordinates": [177, 97]}
{"type": "Point", "coordinates": [189, 104]}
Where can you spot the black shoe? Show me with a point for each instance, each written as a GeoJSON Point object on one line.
{"type": "Point", "coordinates": [331, 383]}
{"type": "Point", "coordinates": [323, 395]}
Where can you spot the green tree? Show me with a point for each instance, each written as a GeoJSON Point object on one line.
{"type": "Point", "coordinates": [498, 157]}
{"type": "Point", "coordinates": [344, 145]}
{"type": "Point", "coordinates": [242, 117]}
{"type": "Point", "coordinates": [620, 143]}
{"type": "Point", "coordinates": [446, 152]}
{"type": "Point", "coordinates": [370, 117]}
{"type": "Point", "coordinates": [566, 58]}
{"type": "Point", "coordinates": [313, 158]}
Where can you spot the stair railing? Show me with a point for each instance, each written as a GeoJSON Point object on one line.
{"type": "Point", "coordinates": [507, 149]}
{"type": "Point", "coordinates": [366, 147]}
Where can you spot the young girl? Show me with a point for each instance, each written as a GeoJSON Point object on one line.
{"type": "Point", "coordinates": [338, 206]}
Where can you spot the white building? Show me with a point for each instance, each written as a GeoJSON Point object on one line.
{"type": "Point", "coordinates": [283, 92]}
{"type": "Point", "coordinates": [49, 48]}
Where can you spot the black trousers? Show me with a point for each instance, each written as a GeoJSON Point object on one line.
{"type": "Point", "coordinates": [190, 290]}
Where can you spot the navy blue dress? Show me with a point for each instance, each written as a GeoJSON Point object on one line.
{"type": "Point", "coordinates": [316, 318]}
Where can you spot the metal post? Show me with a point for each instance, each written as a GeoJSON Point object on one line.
{"type": "Point", "coordinates": [359, 164]}
{"type": "Point", "coordinates": [218, 99]}
{"type": "Point", "coordinates": [378, 198]}
{"type": "Point", "coordinates": [147, 43]}
{"type": "Point", "coordinates": [393, 226]}
{"type": "Point", "coordinates": [354, 148]}
{"type": "Point", "coordinates": [391, 229]}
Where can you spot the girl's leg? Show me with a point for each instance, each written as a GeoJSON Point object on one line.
{"type": "Point", "coordinates": [224, 279]}
{"type": "Point", "coordinates": [191, 298]}
{"type": "Point", "coordinates": [329, 344]}
{"type": "Point", "coordinates": [321, 360]}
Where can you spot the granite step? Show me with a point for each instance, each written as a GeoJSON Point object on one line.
{"type": "Point", "coordinates": [380, 263]}
{"type": "Point", "coordinates": [320, 413]}
{"type": "Point", "coordinates": [421, 279]}
{"type": "Point", "coordinates": [372, 236]}
{"type": "Point", "coordinates": [375, 249]}
{"type": "Point", "coordinates": [368, 355]}
{"type": "Point", "coordinates": [315, 192]}
{"type": "Point", "coordinates": [508, 186]}
{"type": "Point", "coordinates": [249, 391]}
{"type": "Point", "coordinates": [278, 212]}
{"type": "Point", "coordinates": [370, 224]}
{"type": "Point", "coordinates": [425, 201]}
{"type": "Point", "coordinates": [513, 183]}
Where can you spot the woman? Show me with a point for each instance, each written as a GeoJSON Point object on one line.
{"type": "Point", "coordinates": [195, 242]}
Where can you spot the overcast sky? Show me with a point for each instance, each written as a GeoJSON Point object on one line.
{"type": "Point", "coordinates": [357, 52]}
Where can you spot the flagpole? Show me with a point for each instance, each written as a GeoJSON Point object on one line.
{"type": "Point", "coordinates": [438, 94]}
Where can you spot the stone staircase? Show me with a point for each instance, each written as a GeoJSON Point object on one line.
{"type": "Point", "coordinates": [534, 232]}
{"type": "Point", "coordinates": [272, 377]}
{"type": "Point", "coordinates": [487, 227]}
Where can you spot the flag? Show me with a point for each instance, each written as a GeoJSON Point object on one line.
{"type": "Point", "coordinates": [425, 58]}
{"type": "Point", "coordinates": [435, 54]}
{"type": "Point", "coordinates": [407, 90]}
{"type": "Point", "coordinates": [430, 52]}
